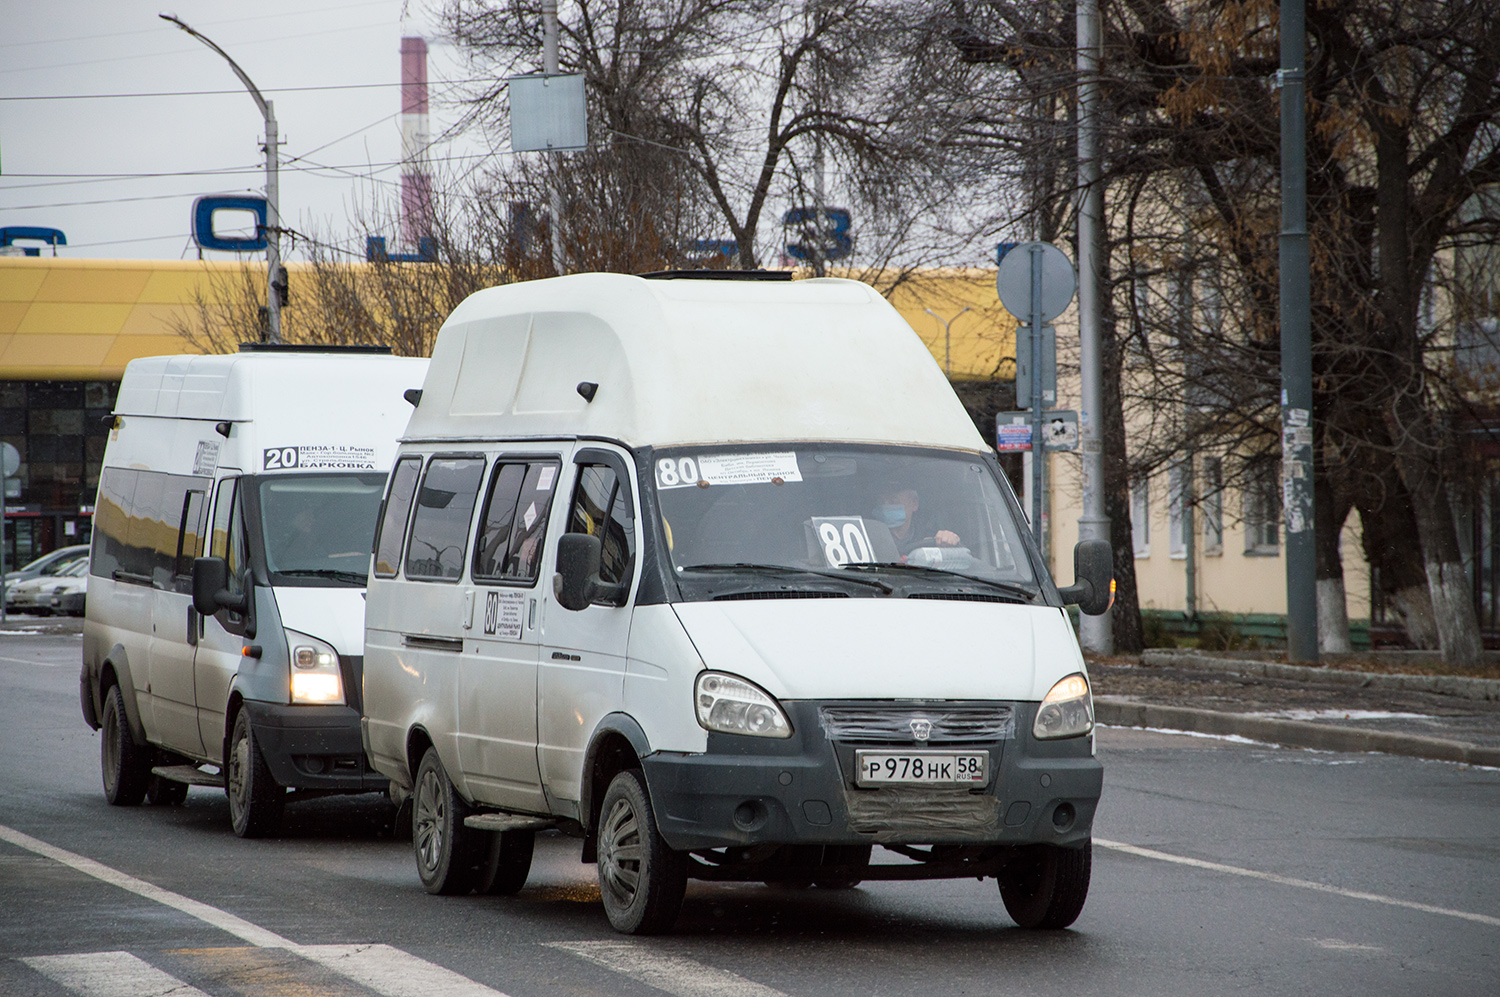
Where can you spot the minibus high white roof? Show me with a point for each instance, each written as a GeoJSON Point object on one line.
{"type": "Point", "coordinates": [234, 387]}
{"type": "Point", "coordinates": [686, 361]}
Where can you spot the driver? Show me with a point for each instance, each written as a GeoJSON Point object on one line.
{"type": "Point", "coordinates": [897, 509]}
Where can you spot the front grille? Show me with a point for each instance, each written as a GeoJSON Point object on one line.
{"type": "Point", "coordinates": [904, 723]}
{"type": "Point", "coordinates": [967, 597]}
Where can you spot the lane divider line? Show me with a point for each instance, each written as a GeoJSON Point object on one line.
{"type": "Point", "coordinates": [386, 970]}
{"type": "Point", "coordinates": [221, 919]}
{"type": "Point", "coordinates": [675, 974]}
{"type": "Point", "coordinates": [110, 974]}
{"type": "Point", "coordinates": [1305, 884]}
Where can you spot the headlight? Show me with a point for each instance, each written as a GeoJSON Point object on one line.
{"type": "Point", "coordinates": [315, 671]}
{"type": "Point", "coordinates": [730, 705]}
{"type": "Point", "coordinates": [1067, 710]}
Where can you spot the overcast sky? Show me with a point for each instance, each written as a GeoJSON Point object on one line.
{"type": "Point", "coordinates": [119, 174]}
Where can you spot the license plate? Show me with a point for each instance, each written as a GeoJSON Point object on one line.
{"type": "Point", "coordinates": [882, 767]}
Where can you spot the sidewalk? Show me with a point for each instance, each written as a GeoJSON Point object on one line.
{"type": "Point", "coordinates": [1446, 718]}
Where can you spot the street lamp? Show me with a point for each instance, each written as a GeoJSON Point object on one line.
{"type": "Point", "coordinates": [947, 339]}
{"type": "Point", "coordinates": [275, 280]}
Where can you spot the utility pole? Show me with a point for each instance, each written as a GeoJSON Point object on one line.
{"type": "Point", "coordinates": [550, 68]}
{"type": "Point", "coordinates": [1296, 346]}
{"type": "Point", "coordinates": [1096, 633]}
{"type": "Point", "coordinates": [275, 277]}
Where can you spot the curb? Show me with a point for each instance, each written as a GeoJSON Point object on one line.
{"type": "Point", "coordinates": [1119, 712]}
{"type": "Point", "coordinates": [1443, 685]}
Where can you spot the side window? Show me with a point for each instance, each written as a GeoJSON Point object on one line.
{"type": "Point", "coordinates": [602, 508]}
{"type": "Point", "coordinates": [229, 534]}
{"type": "Point", "coordinates": [393, 519]}
{"type": "Point", "coordinates": [112, 521]}
{"type": "Point", "coordinates": [146, 516]}
{"type": "Point", "coordinates": [440, 526]}
{"type": "Point", "coordinates": [509, 546]}
{"type": "Point", "coordinates": [190, 537]}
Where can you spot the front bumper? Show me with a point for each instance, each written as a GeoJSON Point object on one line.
{"type": "Point", "coordinates": [752, 791]}
{"type": "Point", "coordinates": [314, 747]}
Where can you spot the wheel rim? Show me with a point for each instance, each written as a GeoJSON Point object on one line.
{"type": "Point", "coordinates": [620, 856]}
{"type": "Point", "coordinates": [110, 748]}
{"type": "Point", "coordinates": [427, 821]}
{"type": "Point", "coordinates": [239, 775]}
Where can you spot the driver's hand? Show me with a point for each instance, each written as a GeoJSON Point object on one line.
{"type": "Point", "coordinates": [946, 538]}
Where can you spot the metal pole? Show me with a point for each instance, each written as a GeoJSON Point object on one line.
{"type": "Point", "coordinates": [3, 586]}
{"type": "Point", "coordinates": [1296, 347]}
{"type": "Point", "coordinates": [273, 208]}
{"type": "Point", "coordinates": [1096, 633]}
{"type": "Point", "coordinates": [554, 193]}
{"type": "Point", "coordinates": [947, 337]}
{"type": "Point", "coordinates": [273, 228]}
{"type": "Point", "coordinates": [1038, 446]}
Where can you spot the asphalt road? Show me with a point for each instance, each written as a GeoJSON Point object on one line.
{"type": "Point", "coordinates": [1219, 867]}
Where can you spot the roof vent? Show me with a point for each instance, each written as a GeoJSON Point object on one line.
{"type": "Point", "coordinates": [774, 275]}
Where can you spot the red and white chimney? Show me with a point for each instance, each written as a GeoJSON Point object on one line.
{"type": "Point", "coordinates": [416, 183]}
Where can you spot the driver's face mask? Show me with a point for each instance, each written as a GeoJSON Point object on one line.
{"type": "Point", "coordinates": [892, 514]}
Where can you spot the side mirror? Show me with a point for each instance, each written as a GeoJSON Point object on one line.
{"type": "Point", "coordinates": [577, 570]}
{"type": "Point", "coordinates": [211, 587]}
{"type": "Point", "coordinates": [1093, 588]}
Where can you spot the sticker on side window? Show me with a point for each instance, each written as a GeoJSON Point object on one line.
{"type": "Point", "coordinates": [844, 540]}
{"type": "Point", "coordinates": [727, 469]}
{"type": "Point", "coordinates": [545, 479]}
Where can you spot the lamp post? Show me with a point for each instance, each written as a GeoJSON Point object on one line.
{"type": "Point", "coordinates": [947, 325]}
{"type": "Point", "coordinates": [274, 280]}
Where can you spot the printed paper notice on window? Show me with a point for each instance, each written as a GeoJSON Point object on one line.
{"type": "Point", "coordinates": [545, 479]}
{"type": "Point", "coordinates": [727, 469]}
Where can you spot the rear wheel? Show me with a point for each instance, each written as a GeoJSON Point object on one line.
{"type": "Point", "coordinates": [1045, 886]}
{"type": "Point", "coordinates": [641, 880]}
{"type": "Point", "coordinates": [449, 855]}
{"type": "Point", "coordinates": [256, 800]}
{"type": "Point", "coordinates": [508, 863]}
{"type": "Point", "coordinates": [126, 765]}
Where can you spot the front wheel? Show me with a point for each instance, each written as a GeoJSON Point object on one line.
{"type": "Point", "coordinates": [256, 801]}
{"type": "Point", "coordinates": [1045, 886]}
{"type": "Point", "coordinates": [448, 854]}
{"type": "Point", "coordinates": [126, 765]}
{"type": "Point", "coordinates": [641, 880]}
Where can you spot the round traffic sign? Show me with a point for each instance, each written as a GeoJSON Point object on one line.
{"type": "Point", "coordinates": [1013, 282]}
{"type": "Point", "coordinates": [10, 459]}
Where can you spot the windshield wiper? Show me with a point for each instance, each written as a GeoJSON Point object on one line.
{"type": "Point", "coordinates": [1008, 587]}
{"type": "Point", "coordinates": [353, 577]}
{"type": "Point", "coordinates": [787, 569]}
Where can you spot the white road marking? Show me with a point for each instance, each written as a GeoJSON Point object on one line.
{"type": "Point", "coordinates": [386, 970]}
{"type": "Point", "coordinates": [30, 661]}
{"type": "Point", "coordinates": [110, 974]}
{"type": "Point", "coordinates": [1339, 945]}
{"type": "Point", "coordinates": [223, 920]}
{"type": "Point", "coordinates": [672, 973]}
{"type": "Point", "coordinates": [394, 973]}
{"type": "Point", "coordinates": [1306, 884]}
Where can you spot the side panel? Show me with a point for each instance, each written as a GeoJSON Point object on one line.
{"type": "Point", "coordinates": [582, 673]}
{"type": "Point", "coordinates": [659, 681]}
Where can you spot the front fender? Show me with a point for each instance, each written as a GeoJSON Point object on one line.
{"type": "Point", "coordinates": [612, 724]}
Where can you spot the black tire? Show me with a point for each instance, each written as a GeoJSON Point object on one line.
{"type": "Point", "coordinates": [125, 764]}
{"type": "Point", "coordinates": [1045, 886]}
{"type": "Point", "coordinates": [843, 855]}
{"type": "Point", "coordinates": [449, 856]}
{"type": "Point", "coordinates": [256, 800]}
{"type": "Point", "coordinates": [641, 880]}
{"type": "Point", "coordinates": [165, 792]}
{"type": "Point", "coordinates": [508, 862]}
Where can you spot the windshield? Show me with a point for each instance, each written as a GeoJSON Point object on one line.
{"type": "Point", "coordinates": [319, 528]}
{"type": "Point", "coordinates": [876, 513]}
